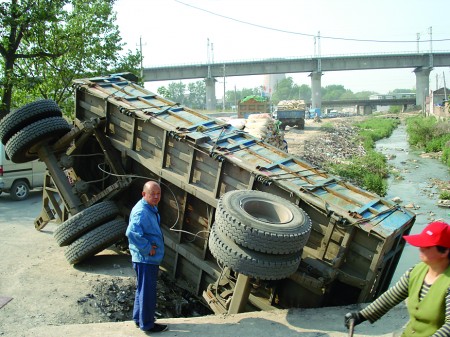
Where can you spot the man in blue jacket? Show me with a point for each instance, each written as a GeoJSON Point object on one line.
{"type": "Point", "coordinates": [146, 243]}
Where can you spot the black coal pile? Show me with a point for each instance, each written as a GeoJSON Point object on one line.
{"type": "Point", "coordinates": [112, 300]}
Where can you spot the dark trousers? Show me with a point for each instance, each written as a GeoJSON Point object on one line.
{"type": "Point", "coordinates": [145, 300]}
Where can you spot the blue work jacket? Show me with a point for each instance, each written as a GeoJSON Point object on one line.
{"type": "Point", "coordinates": [143, 232]}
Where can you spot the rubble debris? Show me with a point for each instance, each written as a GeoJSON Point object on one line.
{"type": "Point", "coordinates": [443, 203]}
{"type": "Point", "coordinates": [337, 145]}
{"type": "Point", "coordinates": [114, 300]}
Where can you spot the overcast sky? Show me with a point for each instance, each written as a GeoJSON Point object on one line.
{"type": "Point", "coordinates": [177, 31]}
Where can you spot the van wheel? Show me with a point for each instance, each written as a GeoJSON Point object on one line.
{"type": "Point", "coordinates": [95, 241]}
{"type": "Point", "coordinates": [249, 262]}
{"type": "Point", "coordinates": [23, 146]}
{"type": "Point", "coordinates": [26, 115]}
{"type": "Point", "coordinates": [84, 221]}
{"type": "Point", "coordinates": [19, 190]}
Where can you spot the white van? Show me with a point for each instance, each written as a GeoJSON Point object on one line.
{"type": "Point", "coordinates": [19, 179]}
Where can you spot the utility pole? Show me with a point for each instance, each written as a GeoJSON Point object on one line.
{"type": "Point", "coordinates": [319, 61]}
{"type": "Point", "coordinates": [445, 87]}
{"type": "Point", "coordinates": [142, 57]}
{"type": "Point", "coordinates": [431, 46]}
{"type": "Point", "coordinates": [223, 100]}
{"type": "Point", "coordinates": [208, 57]}
{"type": "Point", "coordinates": [418, 38]}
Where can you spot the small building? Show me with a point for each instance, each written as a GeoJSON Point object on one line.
{"type": "Point", "coordinates": [439, 104]}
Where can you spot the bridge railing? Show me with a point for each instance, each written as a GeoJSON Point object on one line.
{"type": "Point", "coordinates": [305, 57]}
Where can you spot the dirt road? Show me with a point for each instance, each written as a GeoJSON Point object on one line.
{"type": "Point", "coordinates": [44, 288]}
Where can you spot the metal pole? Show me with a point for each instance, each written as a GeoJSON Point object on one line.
{"type": "Point", "coordinates": [431, 47]}
{"type": "Point", "coordinates": [223, 100]}
{"type": "Point", "coordinates": [319, 62]}
{"type": "Point", "coordinates": [445, 86]}
{"type": "Point", "coordinates": [351, 328]}
{"type": "Point", "coordinates": [418, 38]}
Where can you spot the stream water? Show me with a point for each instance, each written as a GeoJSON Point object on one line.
{"type": "Point", "coordinates": [415, 187]}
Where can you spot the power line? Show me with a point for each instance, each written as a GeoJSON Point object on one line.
{"type": "Point", "coordinates": [303, 34]}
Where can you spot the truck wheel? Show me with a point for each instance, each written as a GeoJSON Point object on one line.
{"type": "Point", "coordinates": [23, 146]}
{"type": "Point", "coordinates": [249, 262]}
{"type": "Point", "coordinates": [263, 222]}
{"type": "Point", "coordinates": [19, 190]}
{"type": "Point", "coordinates": [28, 114]}
{"type": "Point", "coordinates": [84, 221]}
{"type": "Point", "coordinates": [301, 124]}
{"type": "Point", "coordinates": [95, 241]}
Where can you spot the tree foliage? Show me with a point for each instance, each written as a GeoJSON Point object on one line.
{"type": "Point", "coordinates": [286, 89]}
{"type": "Point", "coordinates": [192, 95]}
{"type": "Point", "coordinates": [46, 44]}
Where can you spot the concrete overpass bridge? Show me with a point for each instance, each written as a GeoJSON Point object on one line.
{"type": "Point", "coordinates": [366, 105]}
{"type": "Point", "coordinates": [422, 63]}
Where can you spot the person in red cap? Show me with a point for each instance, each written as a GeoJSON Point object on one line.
{"type": "Point", "coordinates": [426, 286]}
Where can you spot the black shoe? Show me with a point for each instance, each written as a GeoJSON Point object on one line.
{"type": "Point", "coordinates": [158, 328]}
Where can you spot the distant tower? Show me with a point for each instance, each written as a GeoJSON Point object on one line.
{"type": "Point", "coordinates": [270, 83]}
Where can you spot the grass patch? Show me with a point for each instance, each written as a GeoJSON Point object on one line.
{"type": "Point", "coordinates": [369, 172]}
{"type": "Point", "coordinates": [445, 195]}
{"type": "Point", "coordinates": [430, 135]}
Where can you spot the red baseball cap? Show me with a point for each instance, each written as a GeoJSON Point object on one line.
{"type": "Point", "coordinates": [436, 233]}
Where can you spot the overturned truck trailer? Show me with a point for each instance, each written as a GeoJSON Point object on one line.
{"type": "Point", "coordinates": [247, 226]}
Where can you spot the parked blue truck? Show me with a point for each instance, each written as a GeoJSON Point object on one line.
{"type": "Point", "coordinates": [291, 113]}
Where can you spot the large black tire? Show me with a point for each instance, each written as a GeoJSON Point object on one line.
{"type": "Point", "coordinates": [23, 146]}
{"type": "Point", "coordinates": [301, 124]}
{"type": "Point", "coordinates": [263, 222]}
{"type": "Point", "coordinates": [19, 190]}
{"type": "Point", "coordinates": [84, 221]}
{"type": "Point", "coordinates": [249, 262]}
{"type": "Point", "coordinates": [95, 241]}
{"type": "Point", "coordinates": [26, 115]}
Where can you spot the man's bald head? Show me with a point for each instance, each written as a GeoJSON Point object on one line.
{"type": "Point", "coordinates": [151, 192]}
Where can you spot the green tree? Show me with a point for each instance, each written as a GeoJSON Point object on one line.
{"type": "Point", "coordinates": [364, 94]}
{"type": "Point", "coordinates": [333, 92]}
{"type": "Point", "coordinates": [176, 92]}
{"type": "Point", "coordinates": [46, 44]}
{"type": "Point", "coordinates": [304, 92]}
{"type": "Point", "coordinates": [196, 95]}
{"type": "Point", "coordinates": [401, 90]}
{"type": "Point", "coordinates": [285, 89]}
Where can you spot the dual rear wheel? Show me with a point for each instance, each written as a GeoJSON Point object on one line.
{"type": "Point", "coordinates": [259, 234]}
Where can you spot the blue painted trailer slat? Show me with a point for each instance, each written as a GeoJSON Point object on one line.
{"type": "Point", "coordinates": [356, 235]}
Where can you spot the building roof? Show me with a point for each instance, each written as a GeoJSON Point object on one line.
{"type": "Point", "coordinates": [441, 91]}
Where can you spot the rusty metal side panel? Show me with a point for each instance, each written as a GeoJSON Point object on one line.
{"type": "Point", "coordinates": [355, 239]}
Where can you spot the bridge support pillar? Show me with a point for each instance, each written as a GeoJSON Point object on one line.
{"type": "Point", "coordinates": [422, 84]}
{"type": "Point", "coordinates": [316, 89]}
{"type": "Point", "coordinates": [210, 93]}
{"type": "Point", "coordinates": [367, 110]}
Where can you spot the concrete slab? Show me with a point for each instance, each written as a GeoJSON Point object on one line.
{"type": "Point", "coordinates": [323, 322]}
